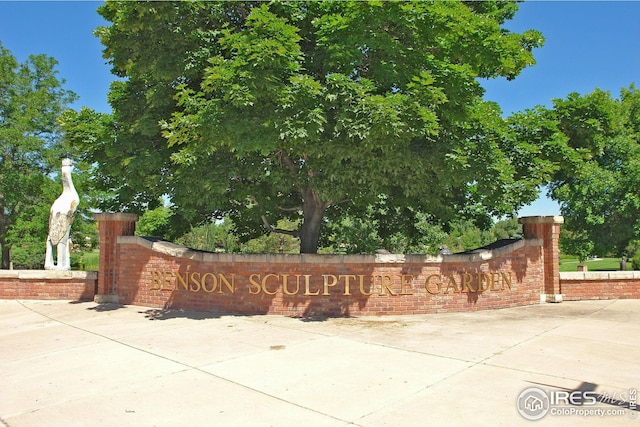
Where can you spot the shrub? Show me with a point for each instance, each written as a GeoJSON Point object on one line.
{"type": "Point", "coordinates": [635, 260]}
{"type": "Point", "coordinates": [28, 256]}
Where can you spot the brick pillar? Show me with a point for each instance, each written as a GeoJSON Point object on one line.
{"type": "Point", "coordinates": [110, 227]}
{"type": "Point", "coordinates": [546, 228]}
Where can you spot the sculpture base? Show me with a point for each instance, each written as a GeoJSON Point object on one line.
{"type": "Point", "coordinates": [553, 298]}
{"type": "Point", "coordinates": [106, 299]}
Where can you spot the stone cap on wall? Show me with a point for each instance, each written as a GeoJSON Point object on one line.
{"type": "Point", "coordinates": [174, 250]}
{"type": "Point", "coordinates": [541, 220]}
{"type": "Point", "coordinates": [120, 216]}
{"type": "Point", "coordinates": [48, 274]}
{"type": "Point", "coordinates": [599, 275]}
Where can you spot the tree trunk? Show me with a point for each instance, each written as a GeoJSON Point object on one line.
{"type": "Point", "coordinates": [6, 257]}
{"type": "Point", "coordinates": [5, 263]}
{"type": "Point", "coordinates": [313, 211]}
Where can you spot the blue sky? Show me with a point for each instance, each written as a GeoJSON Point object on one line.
{"type": "Point", "coordinates": [588, 45]}
{"type": "Point", "coordinates": [62, 30]}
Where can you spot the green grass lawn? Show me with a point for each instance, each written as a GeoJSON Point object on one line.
{"type": "Point", "coordinates": [90, 261]}
{"type": "Point", "coordinates": [600, 264]}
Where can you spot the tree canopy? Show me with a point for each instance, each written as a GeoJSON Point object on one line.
{"type": "Point", "coordinates": [312, 111]}
{"type": "Point", "coordinates": [599, 194]}
{"type": "Point", "coordinates": [31, 99]}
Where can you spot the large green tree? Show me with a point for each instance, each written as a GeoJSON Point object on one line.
{"type": "Point", "coordinates": [31, 99]}
{"type": "Point", "coordinates": [599, 194]}
{"type": "Point", "coordinates": [309, 111]}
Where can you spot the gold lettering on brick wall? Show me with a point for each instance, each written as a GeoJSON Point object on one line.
{"type": "Point", "coordinates": [467, 282]}
{"type": "Point", "coordinates": [193, 282]}
{"type": "Point", "coordinates": [291, 284]}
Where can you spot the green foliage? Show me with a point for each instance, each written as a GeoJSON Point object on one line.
{"type": "Point", "coordinates": [378, 228]}
{"type": "Point", "coordinates": [463, 236]}
{"type": "Point", "coordinates": [353, 235]}
{"type": "Point", "coordinates": [273, 242]}
{"type": "Point", "coordinates": [307, 111]}
{"type": "Point", "coordinates": [576, 243]}
{"type": "Point", "coordinates": [635, 260]}
{"type": "Point", "coordinates": [155, 222]}
{"type": "Point", "coordinates": [506, 229]}
{"type": "Point", "coordinates": [599, 192]}
{"type": "Point", "coordinates": [28, 255]}
{"type": "Point", "coordinates": [214, 236]}
{"type": "Point", "coordinates": [632, 254]}
{"type": "Point", "coordinates": [219, 236]}
{"type": "Point", "coordinates": [31, 99]}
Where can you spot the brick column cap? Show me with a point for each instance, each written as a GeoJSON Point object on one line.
{"type": "Point", "coordinates": [541, 220]}
{"type": "Point", "coordinates": [120, 216]}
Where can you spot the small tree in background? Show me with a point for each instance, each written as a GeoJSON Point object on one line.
{"type": "Point", "coordinates": [576, 243]}
{"type": "Point", "coordinates": [215, 236]}
{"type": "Point", "coordinates": [634, 254]}
{"type": "Point", "coordinates": [154, 222]}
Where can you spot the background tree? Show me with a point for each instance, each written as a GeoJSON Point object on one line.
{"type": "Point", "coordinates": [634, 251]}
{"type": "Point", "coordinates": [576, 243]}
{"type": "Point", "coordinates": [154, 222]}
{"type": "Point", "coordinates": [31, 99]}
{"type": "Point", "coordinates": [599, 194]}
{"type": "Point", "coordinates": [506, 229]}
{"type": "Point", "coordinates": [382, 227]}
{"type": "Point", "coordinates": [350, 236]}
{"type": "Point", "coordinates": [310, 111]}
{"type": "Point", "coordinates": [28, 233]}
{"type": "Point", "coordinates": [216, 236]}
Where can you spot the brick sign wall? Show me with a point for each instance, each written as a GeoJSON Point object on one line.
{"type": "Point", "coordinates": [163, 275]}
{"type": "Point", "coordinates": [577, 286]}
{"type": "Point", "coordinates": [48, 284]}
{"type": "Point", "coordinates": [160, 274]}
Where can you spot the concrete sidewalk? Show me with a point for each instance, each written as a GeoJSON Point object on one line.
{"type": "Point", "coordinates": [82, 364]}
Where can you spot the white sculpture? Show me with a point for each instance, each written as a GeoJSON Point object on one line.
{"type": "Point", "coordinates": [60, 219]}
